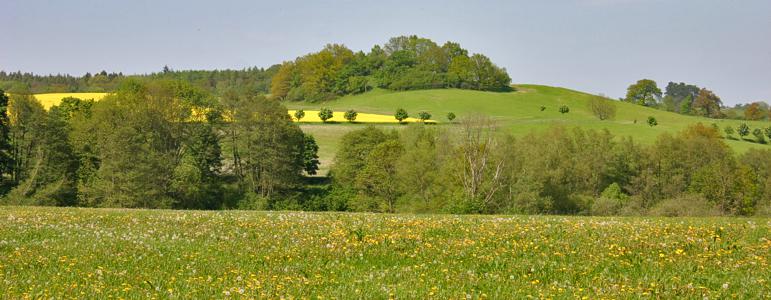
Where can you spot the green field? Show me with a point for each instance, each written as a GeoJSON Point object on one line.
{"type": "Point", "coordinates": [519, 112]}
{"type": "Point", "coordinates": [120, 253]}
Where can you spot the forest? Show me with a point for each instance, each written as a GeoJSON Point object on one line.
{"type": "Point", "coordinates": [169, 144]}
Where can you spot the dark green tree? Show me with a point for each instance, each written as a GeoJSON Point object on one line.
{"type": "Point", "coordinates": [450, 116]}
{"type": "Point", "coordinates": [652, 121]}
{"type": "Point", "coordinates": [325, 114]}
{"type": "Point", "coordinates": [351, 115]}
{"type": "Point", "coordinates": [564, 109]}
{"type": "Point", "coordinates": [743, 130]}
{"type": "Point", "coordinates": [310, 155]}
{"type": "Point", "coordinates": [424, 115]}
{"type": "Point", "coordinates": [401, 115]}
{"type": "Point", "coordinates": [299, 114]}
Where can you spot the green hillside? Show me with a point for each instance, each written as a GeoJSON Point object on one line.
{"type": "Point", "coordinates": [517, 111]}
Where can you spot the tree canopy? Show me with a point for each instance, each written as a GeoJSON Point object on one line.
{"type": "Point", "coordinates": [403, 63]}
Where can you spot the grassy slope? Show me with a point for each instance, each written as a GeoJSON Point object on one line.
{"type": "Point", "coordinates": [518, 111]}
{"type": "Point", "coordinates": [119, 253]}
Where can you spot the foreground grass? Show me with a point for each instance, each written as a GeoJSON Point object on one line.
{"type": "Point", "coordinates": [101, 253]}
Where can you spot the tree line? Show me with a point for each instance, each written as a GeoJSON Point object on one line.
{"type": "Point", "coordinates": [256, 80]}
{"type": "Point", "coordinates": [152, 144]}
{"type": "Point", "coordinates": [478, 169]}
{"type": "Point", "coordinates": [689, 99]}
{"type": "Point", "coordinates": [404, 63]}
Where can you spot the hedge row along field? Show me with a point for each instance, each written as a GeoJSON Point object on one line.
{"type": "Point", "coordinates": [101, 253]}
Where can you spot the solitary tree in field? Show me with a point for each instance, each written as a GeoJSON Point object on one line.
{"type": "Point", "coordinates": [325, 114]}
{"type": "Point", "coordinates": [743, 130]}
{"type": "Point", "coordinates": [652, 121]}
{"type": "Point", "coordinates": [351, 115]}
{"type": "Point", "coordinates": [729, 132]}
{"type": "Point", "coordinates": [424, 115]}
{"type": "Point", "coordinates": [602, 109]}
{"type": "Point", "coordinates": [450, 116]}
{"type": "Point", "coordinates": [644, 92]}
{"type": "Point", "coordinates": [401, 115]}
{"type": "Point", "coordinates": [299, 114]}
{"type": "Point", "coordinates": [564, 109]}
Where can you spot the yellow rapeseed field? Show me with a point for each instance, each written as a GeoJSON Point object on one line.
{"type": "Point", "coordinates": [312, 116]}
{"type": "Point", "coordinates": [51, 99]}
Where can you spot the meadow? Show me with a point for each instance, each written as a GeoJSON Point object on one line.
{"type": "Point", "coordinates": [120, 253]}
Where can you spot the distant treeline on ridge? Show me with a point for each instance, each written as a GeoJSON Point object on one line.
{"type": "Point", "coordinates": [403, 63]}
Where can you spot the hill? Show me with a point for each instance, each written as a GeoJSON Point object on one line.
{"type": "Point", "coordinates": [519, 112]}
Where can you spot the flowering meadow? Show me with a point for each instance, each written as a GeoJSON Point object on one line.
{"type": "Point", "coordinates": [121, 253]}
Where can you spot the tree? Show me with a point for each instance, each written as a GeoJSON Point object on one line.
{"type": "Point", "coordinates": [299, 114]}
{"type": "Point", "coordinates": [310, 155]}
{"type": "Point", "coordinates": [602, 109]}
{"type": "Point", "coordinates": [401, 115]}
{"type": "Point", "coordinates": [423, 116]}
{"type": "Point", "coordinates": [350, 115]}
{"type": "Point", "coordinates": [767, 131]}
{"type": "Point", "coordinates": [450, 116]}
{"type": "Point", "coordinates": [707, 104]}
{"type": "Point", "coordinates": [644, 92]}
{"type": "Point", "coordinates": [378, 178]}
{"type": "Point", "coordinates": [6, 162]}
{"type": "Point", "coordinates": [564, 109]}
{"type": "Point", "coordinates": [754, 112]}
{"type": "Point", "coordinates": [743, 130]}
{"type": "Point", "coordinates": [652, 121]}
{"type": "Point", "coordinates": [759, 135]}
{"type": "Point", "coordinates": [355, 147]}
{"type": "Point", "coordinates": [325, 114]}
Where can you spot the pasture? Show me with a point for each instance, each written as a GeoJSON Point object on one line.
{"type": "Point", "coordinates": [122, 253]}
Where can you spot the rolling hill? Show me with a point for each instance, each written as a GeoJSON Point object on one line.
{"type": "Point", "coordinates": [518, 111]}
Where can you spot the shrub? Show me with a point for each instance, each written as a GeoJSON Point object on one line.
{"type": "Point", "coordinates": [299, 114]}
{"type": "Point", "coordinates": [351, 115]}
{"type": "Point", "coordinates": [543, 108]}
{"type": "Point", "coordinates": [602, 109]}
{"type": "Point", "coordinates": [729, 131]}
{"type": "Point", "coordinates": [652, 121]}
{"type": "Point", "coordinates": [325, 114]}
{"type": "Point", "coordinates": [401, 115]}
{"type": "Point", "coordinates": [767, 131]}
{"type": "Point", "coordinates": [423, 116]}
{"type": "Point", "coordinates": [759, 135]}
{"type": "Point", "coordinates": [451, 117]}
{"type": "Point", "coordinates": [685, 206]}
{"type": "Point", "coordinates": [743, 130]}
{"type": "Point", "coordinates": [564, 109]}
{"type": "Point", "coordinates": [610, 202]}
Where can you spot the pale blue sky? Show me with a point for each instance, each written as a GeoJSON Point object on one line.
{"type": "Point", "coordinates": [597, 46]}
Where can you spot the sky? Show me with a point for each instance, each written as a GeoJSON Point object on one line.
{"type": "Point", "coordinates": [596, 46]}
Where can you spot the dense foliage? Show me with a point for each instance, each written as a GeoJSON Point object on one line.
{"type": "Point", "coordinates": [566, 171]}
{"type": "Point", "coordinates": [404, 63]}
{"type": "Point", "coordinates": [155, 144]}
{"type": "Point", "coordinates": [215, 81]}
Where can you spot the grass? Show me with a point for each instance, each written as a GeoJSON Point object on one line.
{"type": "Point", "coordinates": [120, 253]}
